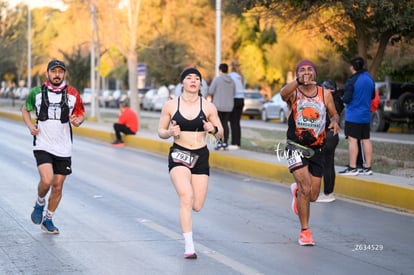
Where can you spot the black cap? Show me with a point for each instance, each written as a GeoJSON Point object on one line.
{"type": "Point", "coordinates": [56, 63]}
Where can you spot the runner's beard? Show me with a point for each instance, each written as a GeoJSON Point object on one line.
{"type": "Point", "coordinates": [56, 81]}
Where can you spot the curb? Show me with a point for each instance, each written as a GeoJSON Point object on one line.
{"type": "Point", "coordinates": [353, 187]}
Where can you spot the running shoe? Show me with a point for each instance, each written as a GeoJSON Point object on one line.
{"type": "Point", "coordinates": [294, 190]}
{"type": "Point", "coordinates": [220, 147]}
{"type": "Point", "coordinates": [305, 238]}
{"type": "Point", "coordinates": [192, 256]}
{"type": "Point", "coordinates": [325, 198]}
{"type": "Point", "coordinates": [37, 214]}
{"type": "Point", "coordinates": [118, 143]}
{"type": "Point", "coordinates": [233, 147]}
{"type": "Point", "coordinates": [49, 227]}
{"type": "Point", "coordinates": [367, 171]}
{"type": "Point", "coordinates": [349, 172]}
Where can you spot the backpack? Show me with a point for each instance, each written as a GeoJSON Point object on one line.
{"type": "Point", "coordinates": [44, 105]}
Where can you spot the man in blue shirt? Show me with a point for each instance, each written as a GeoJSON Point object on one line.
{"type": "Point", "coordinates": [359, 91]}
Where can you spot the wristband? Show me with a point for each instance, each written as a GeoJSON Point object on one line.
{"type": "Point", "coordinates": [215, 131]}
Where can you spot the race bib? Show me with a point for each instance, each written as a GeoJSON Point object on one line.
{"type": "Point", "coordinates": [294, 161]}
{"type": "Point", "coordinates": [184, 157]}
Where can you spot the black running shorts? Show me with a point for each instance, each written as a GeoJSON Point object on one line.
{"type": "Point", "coordinates": [357, 130]}
{"type": "Point", "coordinates": [201, 167]}
{"type": "Point", "coordinates": [61, 165]}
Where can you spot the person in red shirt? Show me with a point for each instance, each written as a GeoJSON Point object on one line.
{"type": "Point", "coordinates": [127, 123]}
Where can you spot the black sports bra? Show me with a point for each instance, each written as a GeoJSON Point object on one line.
{"type": "Point", "coordinates": [194, 125]}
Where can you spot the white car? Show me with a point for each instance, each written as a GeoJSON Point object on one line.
{"type": "Point", "coordinates": [162, 95]}
{"type": "Point", "coordinates": [87, 96]}
{"type": "Point", "coordinates": [147, 103]}
{"type": "Point", "coordinates": [275, 108]}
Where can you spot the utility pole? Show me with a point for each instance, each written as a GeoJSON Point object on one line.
{"type": "Point", "coordinates": [29, 47]}
{"type": "Point", "coordinates": [218, 35]}
{"type": "Point", "coordinates": [93, 101]}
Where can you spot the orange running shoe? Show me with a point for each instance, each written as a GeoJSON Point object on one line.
{"type": "Point", "coordinates": [305, 238]}
{"type": "Point", "coordinates": [118, 143]}
{"type": "Point", "coordinates": [294, 190]}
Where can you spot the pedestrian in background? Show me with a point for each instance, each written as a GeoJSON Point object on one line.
{"type": "Point", "coordinates": [331, 141]}
{"type": "Point", "coordinates": [188, 118]}
{"type": "Point", "coordinates": [237, 111]}
{"type": "Point", "coordinates": [57, 106]}
{"type": "Point", "coordinates": [359, 91]}
{"type": "Point", "coordinates": [127, 123]}
{"type": "Point", "coordinates": [309, 105]}
{"type": "Point", "coordinates": [223, 89]}
{"type": "Point", "coordinates": [361, 164]}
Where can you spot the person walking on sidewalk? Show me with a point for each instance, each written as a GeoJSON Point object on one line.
{"type": "Point", "coordinates": [359, 91]}
{"type": "Point", "coordinates": [188, 118]}
{"type": "Point", "coordinates": [309, 105]}
{"type": "Point", "coordinates": [127, 123]}
{"type": "Point", "coordinates": [223, 89]}
{"type": "Point", "coordinates": [331, 141]}
{"type": "Point", "coordinates": [57, 106]}
{"type": "Point", "coordinates": [237, 111]}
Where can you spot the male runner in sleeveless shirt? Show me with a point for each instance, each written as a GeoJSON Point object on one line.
{"type": "Point", "coordinates": [308, 107]}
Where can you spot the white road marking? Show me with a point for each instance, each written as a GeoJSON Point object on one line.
{"type": "Point", "coordinates": [201, 248]}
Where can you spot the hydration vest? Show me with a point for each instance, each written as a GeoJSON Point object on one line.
{"type": "Point", "coordinates": [44, 106]}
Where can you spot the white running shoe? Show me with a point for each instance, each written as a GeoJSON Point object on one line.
{"type": "Point", "coordinates": [233, 147]}
{"type": "Point", "coordinates": [325, 198]}
{"type": "Point", "coordinates": [349, 172]}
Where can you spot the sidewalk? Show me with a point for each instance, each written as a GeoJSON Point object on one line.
{"type": "Point", "coordinates": [390, 191]}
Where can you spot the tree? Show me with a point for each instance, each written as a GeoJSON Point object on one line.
{"type": "Point", "coordinates": [13, 43]}
{"type": "Point", "coordinates": [165, 60]}
{"type": "Point", "coordinates": [353, 26]}
{"type": "Point", "coordinates": [126, 42]}
{"type": "Point", "coordinates": [79, 75]}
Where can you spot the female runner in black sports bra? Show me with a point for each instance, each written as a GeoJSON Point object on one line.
{"type": "Point", "coordinates": [188, 119]}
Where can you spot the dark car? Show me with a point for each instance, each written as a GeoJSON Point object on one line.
{"type": "Point", "coordinates": [396, 105]}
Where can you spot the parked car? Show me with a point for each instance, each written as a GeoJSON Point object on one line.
{"type": "Point", "coordinates": [141, 94]}
{"type": "Point", "coordinates": [147, 103]}
{"type": "Point", "coordinates": [253, 104]}
{"type": "Point", "coordinates": [396, 105]}
{"type": "Point", "coordinates": [116, 97]}
{"type": "Point", "coordinates": [105, 98]}
{"type": "Point", "coordinates": [87, 96]}
{"type": "Point", "coordinates": [163, 94]}
{"type": "Point", "coordinates": [275, 108]}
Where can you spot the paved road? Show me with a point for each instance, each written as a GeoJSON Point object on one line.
{"type": "Point", "coordinates": [119, 215]}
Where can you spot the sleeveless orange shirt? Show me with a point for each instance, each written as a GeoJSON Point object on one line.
{"type": "Point", "coordinates": [306, 124]}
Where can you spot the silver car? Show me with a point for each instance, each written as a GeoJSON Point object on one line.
{"type": "Point", "coordinates": [253, 104]}
{"type": "Point", "coordinates": [275, 108]}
